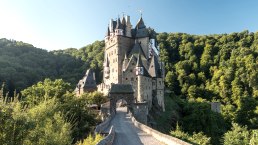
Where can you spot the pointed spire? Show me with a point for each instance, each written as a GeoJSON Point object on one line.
{"type": "Point", "coordinates": [128, 23]}
{"type": "Point", "coordinates": [119, 25]}
{"type": "Point", "coordinates": [111, 25]}
{"type": "Point", "coordinates": [123, 21]}
{"type": "Point", "coordinates": [139, 60]}
{"type": "Point", "coordinates": [140, 24]}
{"type": "Point", "coordinates": [108, 32]}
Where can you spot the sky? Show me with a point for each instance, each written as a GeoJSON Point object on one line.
{"type": "Point", "coordinates": [61, 24]}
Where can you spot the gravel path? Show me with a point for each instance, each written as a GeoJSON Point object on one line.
{"type": "Point", "coordinates": [127, 133]}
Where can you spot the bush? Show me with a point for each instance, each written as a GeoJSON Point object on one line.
{"type": "Point", "coordinates": [90, 140]}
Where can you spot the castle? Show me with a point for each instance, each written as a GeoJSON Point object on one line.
{"type": "Point", "coordinates": [132, 57]}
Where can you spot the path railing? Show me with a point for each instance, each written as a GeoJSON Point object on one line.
{"type": "Point", "coordinates": [108, 140]}
{"type": "Point", "coordinates": [167, 139]}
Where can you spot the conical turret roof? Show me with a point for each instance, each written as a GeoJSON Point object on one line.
{"type": "Point", "coordinates": [140, 24]}
{"type": "Point", "coordinates": [119, 25]}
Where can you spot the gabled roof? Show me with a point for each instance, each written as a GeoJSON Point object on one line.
{"type": "Point", "coordinates": [88, 81]}
{"type": "Point", "coordinates": [132, 58]}
{"type": "Point", "coordinates": [139, 64]}
{"type": "Point", "coordinates": [139, 60]}
{"type": "Point", "coordinates": [154, 68]}
{"type": "Point", "coordinates": [136, 49]}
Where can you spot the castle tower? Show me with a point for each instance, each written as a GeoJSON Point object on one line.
{"type": "Point", "coordinates": [128, 27]}
{"type": "Point", "coordinates": [129, 59]}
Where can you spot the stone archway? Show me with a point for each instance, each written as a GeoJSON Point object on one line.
{"type": "Point", "coordinates": [121, 91]}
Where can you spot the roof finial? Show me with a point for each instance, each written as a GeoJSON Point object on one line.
{"type": "Point", "coordinates": [141, 11]}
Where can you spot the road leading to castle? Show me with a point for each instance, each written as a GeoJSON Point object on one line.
{"type": "Point", "coordinates": [127, 133]}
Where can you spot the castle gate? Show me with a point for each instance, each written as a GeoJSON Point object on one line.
{"type": "Point", "coordinates": [121, 91]}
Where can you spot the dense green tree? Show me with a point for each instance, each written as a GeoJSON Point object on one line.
{"type": "Point", "coordinates": [238, 135]}
{"type": "Point", "coordinates": [95, 98]}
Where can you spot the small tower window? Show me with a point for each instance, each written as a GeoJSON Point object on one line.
{"type": "Point", "coordinates": [126, 78]}
{"type": "Point", "coordinates": [132, 79]}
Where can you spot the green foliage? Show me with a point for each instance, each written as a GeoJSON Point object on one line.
{"type": "Point", "coordinates": [221, 67]}
{"type": "Point", "coordinates": [254, 137]}
{"type": "Point", "coordinates": [95, 98]}
{"type": "Point", "coordinates": [23, 65]}
{"type": "Point", "coordinates": [198, 117]}
{"type": "Point", "coordinates": [45, 90]}
{"type": "Point", "coordinates": [56, 116]}
{"type": "Point", "coordinates": [196, 138]}
{"type": "Point", "coordinates": [237, 136]}
{"type": "Point", "coordinates": [41, 124]}
{"type": "Point", "coordinates": [92, 55]}
{"type": "Point", "coordinates": [90, 140]}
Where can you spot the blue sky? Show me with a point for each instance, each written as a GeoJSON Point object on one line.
{"type": "Point", "coordinates": [60, 24]}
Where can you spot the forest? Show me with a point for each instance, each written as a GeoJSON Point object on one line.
{"type": "Point", "coordinates": [213, 68]}
{"type": "Point", "coordinates": [199, 69]}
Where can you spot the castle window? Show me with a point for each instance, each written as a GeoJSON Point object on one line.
{"type": "Point", "coordinates": [159, 82]}
{"type": "Point", "coordinates": [132, 79]}
{"type": "Point", "coordinates": [136, 79]}
{"type": "Point", "coordinates": [126, 78]}
{"type": "Point", "coordinates": [131, 70]}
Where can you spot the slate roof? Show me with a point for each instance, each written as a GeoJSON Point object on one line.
{"type": "Point", "coordinates": [119, 25]}
{"type": "Point", "coordinates": [136, 49]}
{"type": "Point", "coordinates": [154, 68]}
{"type": "Point", "coordinates": [113, 25]}
{"type": "Point", "coordinates": [139, 64]}
{"type": "Point", "coordinates": [88, 81]}
{"type": "Point", "coordinates": [139, 60]}
{"type": "Point", "coordinates": [121, 88]}
{"type": "Point", "coordinates": [141, 33]}
{"type": "Point", "coordinates": [140, 24]}
{"type": "Point", "coordinates": [140, 29]}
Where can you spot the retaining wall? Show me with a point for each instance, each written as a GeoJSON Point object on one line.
{"type": "Point", "coordinates": [103, 126]}
{"type": "Point", "coordinates": [108, 140]}
{"type": "Point", "coordinates": [167, 139]}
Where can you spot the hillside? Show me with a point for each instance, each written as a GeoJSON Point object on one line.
{"type": "Point", "coordinates": [22, 65]}
{"type": "Point", "coordinates": [221, 68]}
